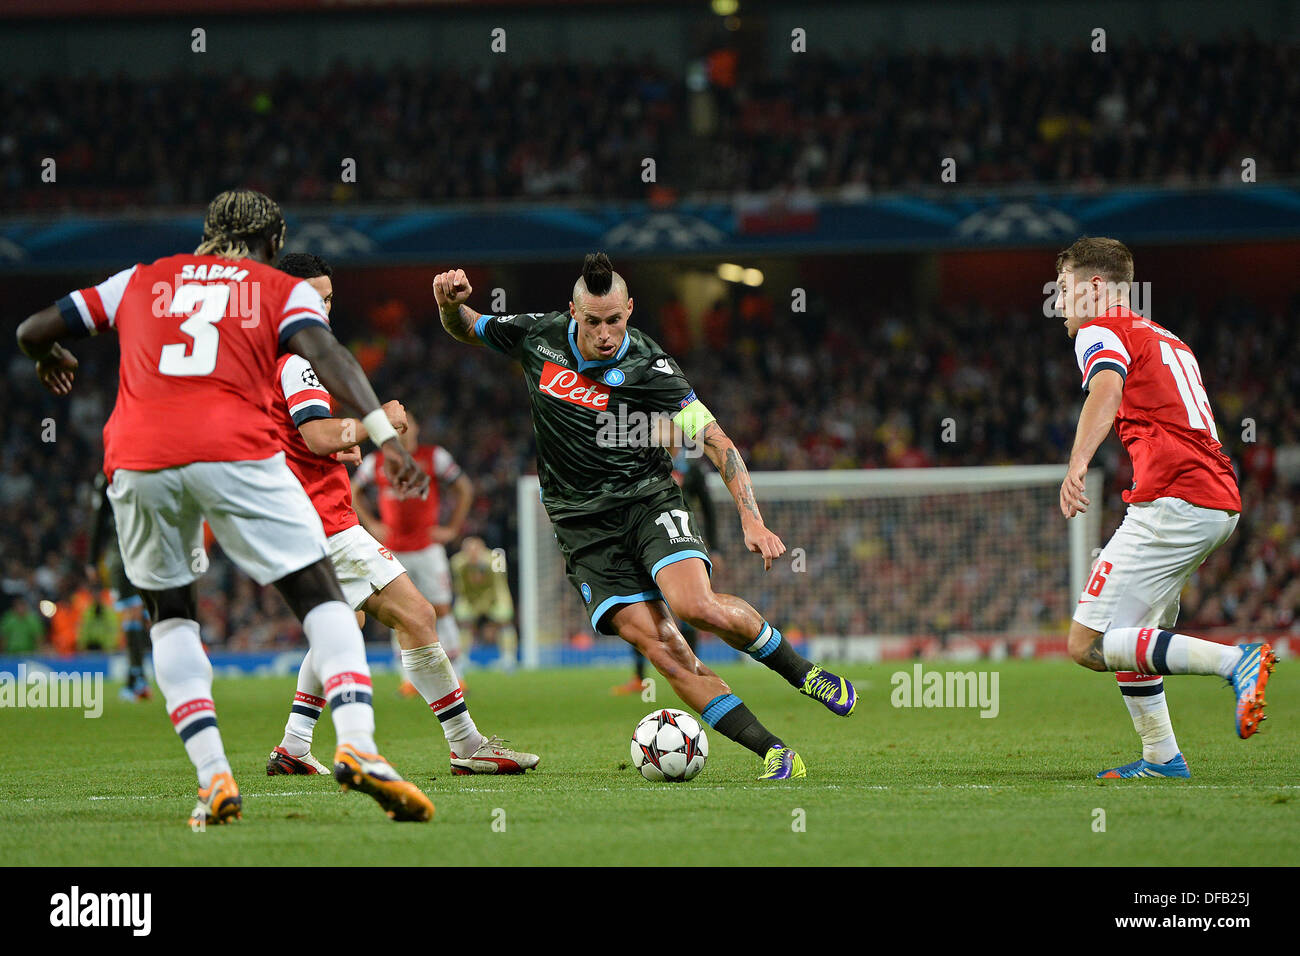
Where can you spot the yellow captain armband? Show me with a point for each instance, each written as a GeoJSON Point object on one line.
{"type": "Point", "coordinates": [692, 418]}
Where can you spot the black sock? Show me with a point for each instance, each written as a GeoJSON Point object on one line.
{"type": "Point", "coordinates": [743, 727]}
{"type": "Point", "coordinates": [639, 661]}
{"type": "Point", "coordinates": [782, 658]}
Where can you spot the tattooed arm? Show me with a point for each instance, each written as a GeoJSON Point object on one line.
{"type": "Point", "coordinates": [452, 289]}
{"type": "Point", "coordinates": [722, 452]}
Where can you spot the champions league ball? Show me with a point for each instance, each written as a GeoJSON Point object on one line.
{"type": "Point", "coordinates": [669, 745]}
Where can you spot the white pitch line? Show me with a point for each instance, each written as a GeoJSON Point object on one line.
{"type": "Point", "coordinates": [905, 788]}
{"type": "Point", "coordinates": [167, 796]}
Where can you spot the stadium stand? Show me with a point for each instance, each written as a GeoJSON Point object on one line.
{"type": "Point", "coordinates": [849, 126]}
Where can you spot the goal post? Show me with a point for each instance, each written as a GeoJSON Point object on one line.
{"type": "Point", "coordinates": [913, 552]}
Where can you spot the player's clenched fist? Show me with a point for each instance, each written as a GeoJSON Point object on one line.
{"type": "Point", "coordinates": [396, 413]}
{"type": "Point", "coordinates": [451, 289]}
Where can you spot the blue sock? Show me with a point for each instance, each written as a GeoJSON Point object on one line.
{"type": "Point", "coordinates": [729, 716]}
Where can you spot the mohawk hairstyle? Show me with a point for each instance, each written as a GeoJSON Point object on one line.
{"type": "Point", "coordinates": [597, 273]}
{"type": "Point", "coordinates": [304, 265]}
{"type": "Point", "coordinates": [235, 219]}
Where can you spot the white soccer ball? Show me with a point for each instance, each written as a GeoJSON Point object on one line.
{"type": "Point", "coordinates": [669, 745]}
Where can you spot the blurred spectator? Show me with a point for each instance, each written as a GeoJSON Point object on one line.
{"type": "Point", "coordinates": [66, 623]}
{"type": "Point", "coordinates": [21, 629]}
{"type": "Point", "coordinates": [98, 628]}
{"type": "Point", "coordinates": [850, 125]}
{"type": "Point", "coordinates": [484, 606]}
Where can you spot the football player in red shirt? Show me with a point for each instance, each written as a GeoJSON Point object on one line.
{"type": "Point", "coordinates": [410, 528]}
{"type": "Point", "coordinates": [373, 578]}
{"type": "Point", "coordinates": [1184, 504]}
{"type": "Point", "coordinates": [191, 438]}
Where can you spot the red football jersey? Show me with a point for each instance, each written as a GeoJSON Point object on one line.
{"type": "Point", "coordinates": [1164, 420]}
{"type": "Point", "coordinates": [410, 521]}
{"type": "Point", "coordinates": [298, 398]}
{"type": "Point", "coordinates": [199, 338]}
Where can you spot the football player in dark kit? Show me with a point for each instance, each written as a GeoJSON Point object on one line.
{"type": "Point", "coordinates": [598, 391]}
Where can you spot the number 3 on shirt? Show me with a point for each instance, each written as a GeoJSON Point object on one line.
{"type": "Point", "coordinates": [1187, 376]}
{"type": "Point", "coordinates": [210, 301]}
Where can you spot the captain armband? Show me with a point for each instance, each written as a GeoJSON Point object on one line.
{"type": "Point", "coordinates": [692, 418]}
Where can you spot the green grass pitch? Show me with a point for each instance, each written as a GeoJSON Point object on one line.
{"type": "Point", "coordinates": [885, 786]}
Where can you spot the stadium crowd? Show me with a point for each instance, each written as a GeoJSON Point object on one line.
{"type": "Point", "coordinates": [848, 386]}
{"type": "Point", "coordinates": [845, 125]}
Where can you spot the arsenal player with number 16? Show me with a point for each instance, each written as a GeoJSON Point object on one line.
{"type": "Point", "coordinates": [1183, 505]}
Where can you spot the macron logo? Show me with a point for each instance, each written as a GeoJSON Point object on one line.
{"type": "Point", "coordinates": [74, 909]}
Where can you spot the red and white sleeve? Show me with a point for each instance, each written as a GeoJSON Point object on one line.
{"type": "Point", "coordinates": [302, 307]}
{"type": "Point", "coordinates": [1097, 347]}
{"type": "Point", "coordinates": [304, 395]}
{"type": "Point", "coordinates": [94, 309]}
{"type": "Point", "coordinates": [445, 469]}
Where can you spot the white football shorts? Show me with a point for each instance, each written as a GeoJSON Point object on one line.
{"type": "Point", "coordinates": [257, 509]}
{"type": "Point", "coordinates": [364, 566]}
{"type": "Point", "coordinates": [430, 573]}
{"type": "Point", "coordinates": [1138, 577]}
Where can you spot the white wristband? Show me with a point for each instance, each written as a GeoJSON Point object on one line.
{"type": "Point", "coordinates": [378, 427]}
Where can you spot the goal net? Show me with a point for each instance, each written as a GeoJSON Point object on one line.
{"type": "Point", "coordinates": [957, 557]}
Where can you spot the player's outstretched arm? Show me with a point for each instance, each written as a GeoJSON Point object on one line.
{"type": "Point", "coordinates": [343, 378]}
{"type": "Point", "coordinates": [452, 290]}
{"type": "Point", "coordinates": [722, 452]}
{"type": "Point", "coordinates": [1105, 393]}
{"type": "Point", "coordinates": [38, 337]}
{"type": "Point", "coordinates": [326, 436]}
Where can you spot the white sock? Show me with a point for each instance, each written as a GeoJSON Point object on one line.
{"type": "Point", "coordinates": [339, 654]}
{"type": "Point", "coordinates": [184, 675]}
{"type": "Point", "coordinates": [1150, 650]}
{"type": "Point", "coordinates": [1144, 697]}
{"type": "Point", "coordinates": [449, 635]}
{"type": "Point", "coordinates": [308, 702]}
{"type": "Point", "coordinates": [433, 676]}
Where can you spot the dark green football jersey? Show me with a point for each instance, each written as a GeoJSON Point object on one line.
{"type": "Point", "coordinates": [598, 424]}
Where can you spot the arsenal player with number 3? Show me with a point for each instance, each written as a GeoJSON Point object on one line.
{"type": "Point", "coordinates": [1183, 505]}
{"type": "Point", "coordinates": [629, 541]}
{"type": "Point", "coordinates": [191, 437]}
